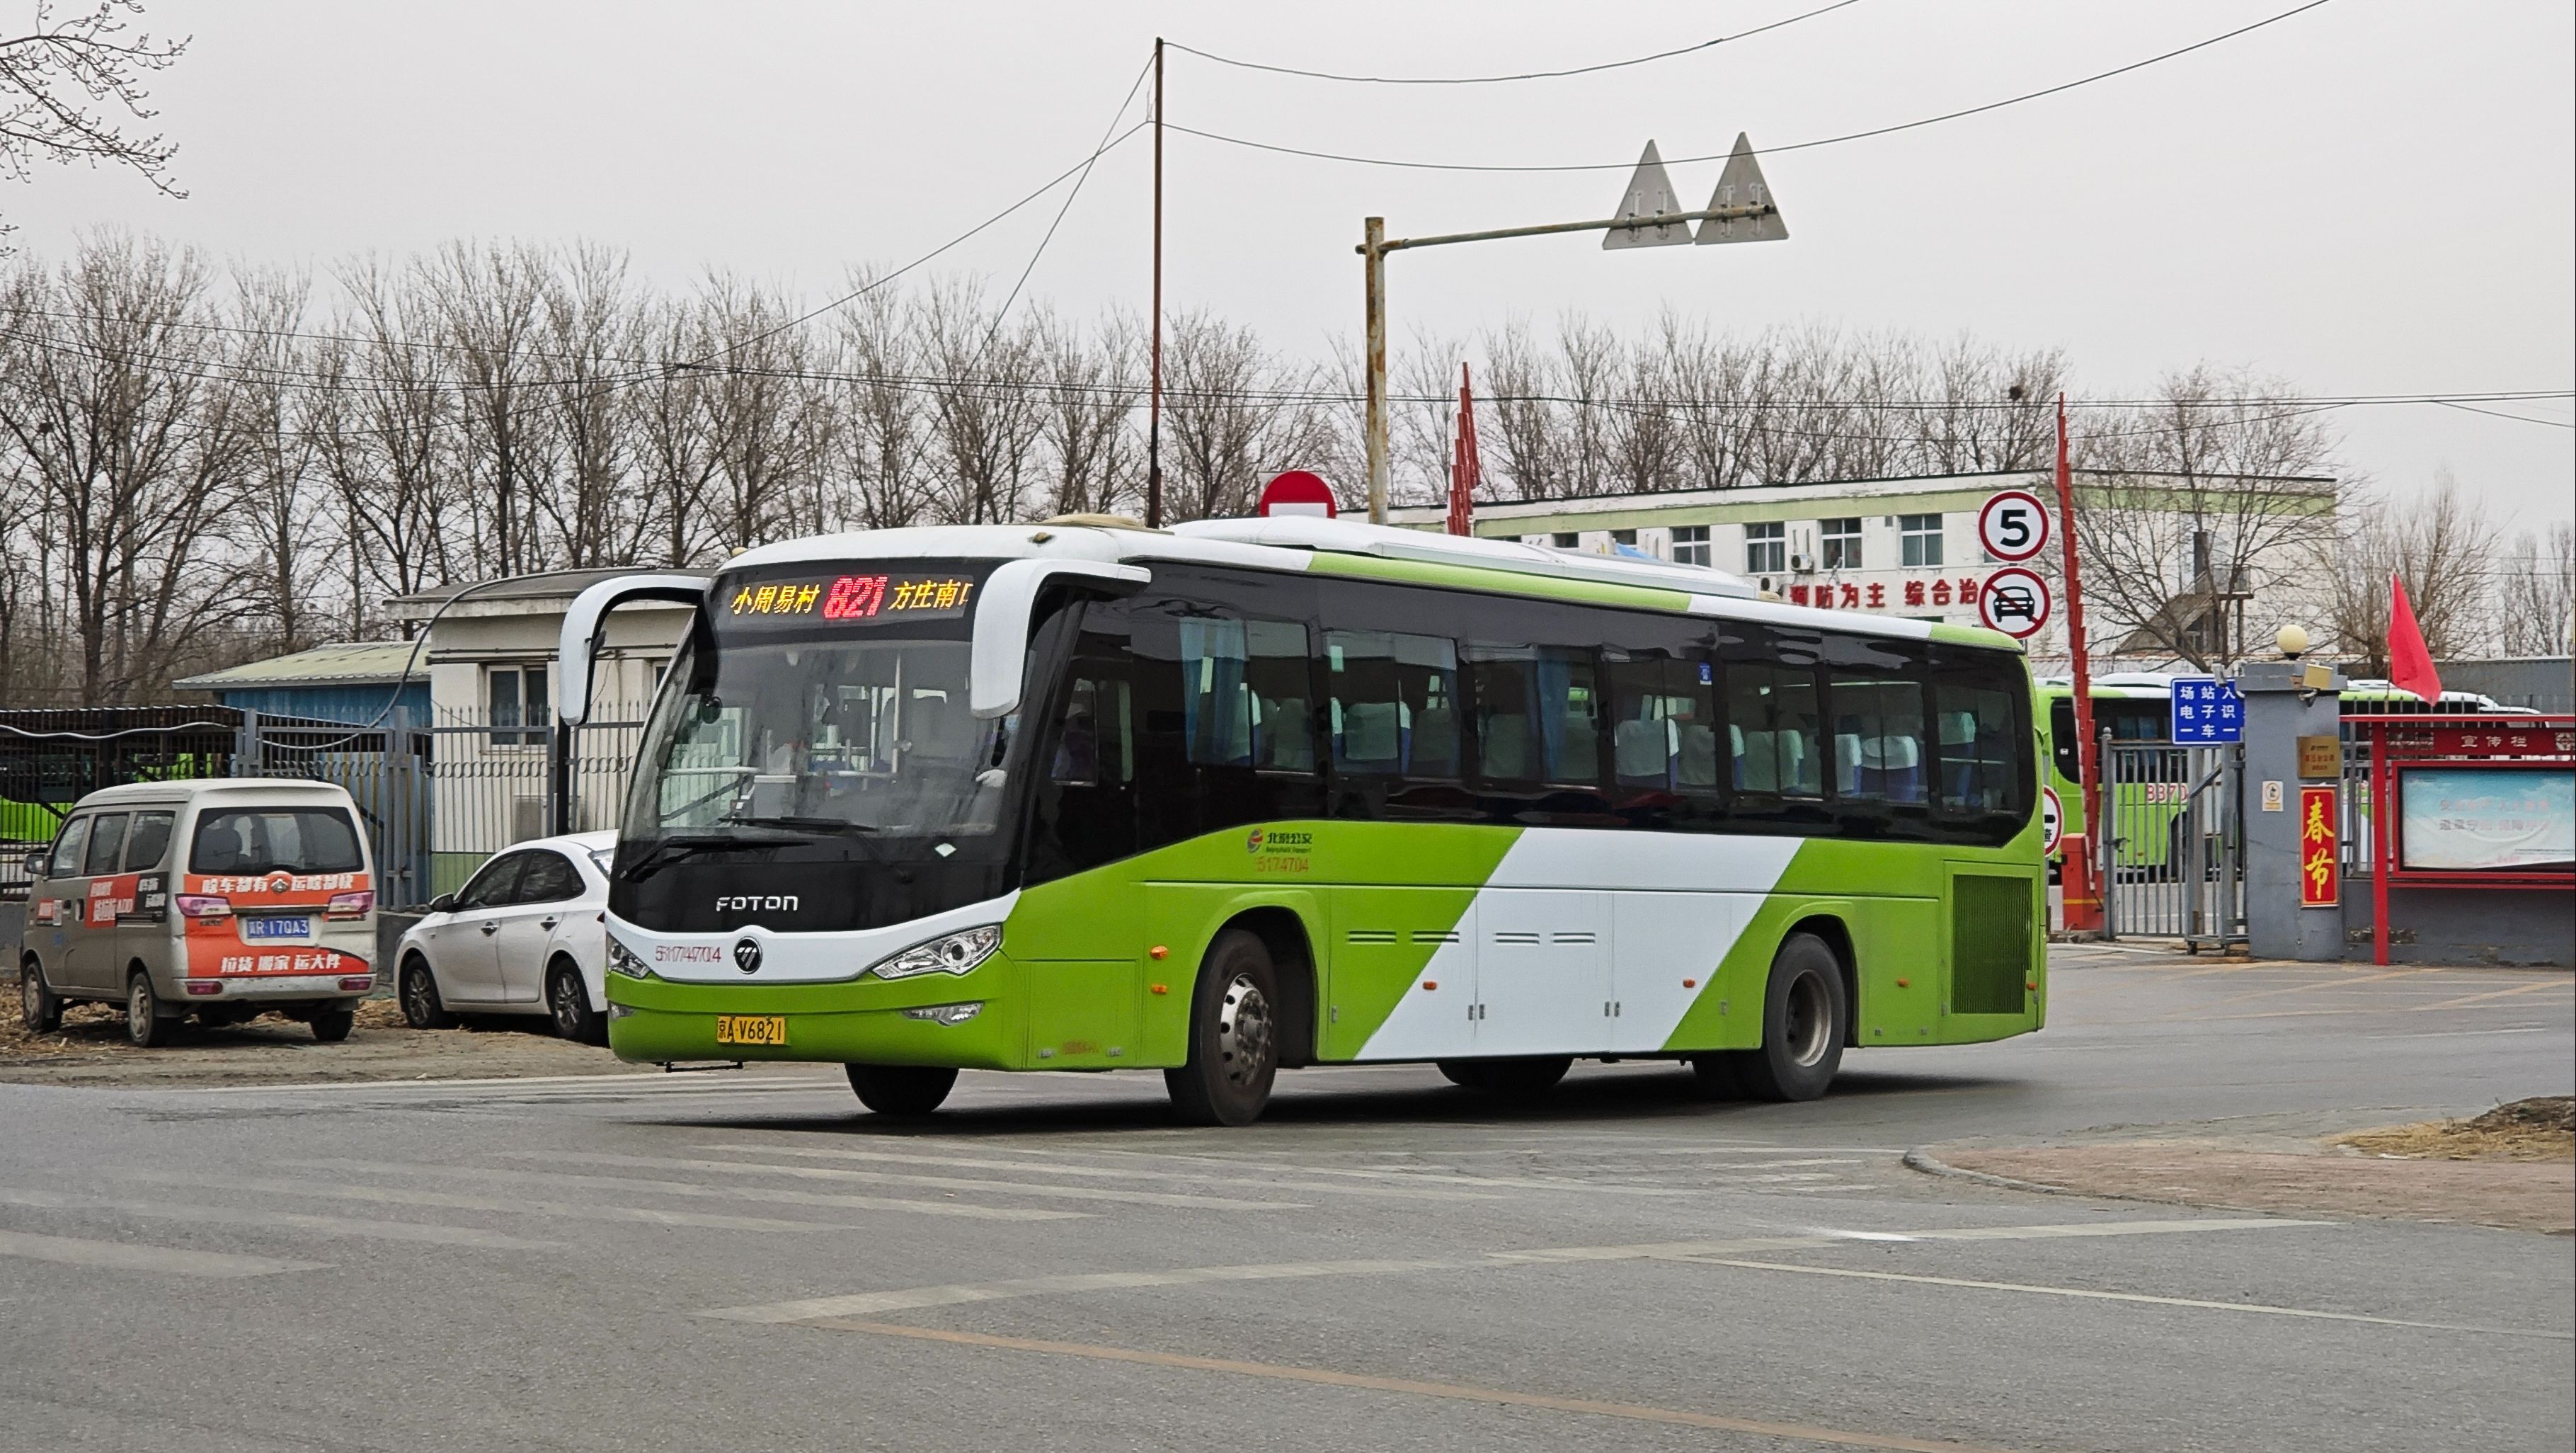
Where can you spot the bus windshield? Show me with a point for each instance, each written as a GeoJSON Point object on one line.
{"type": "Point", "coordinates": [800, 724]}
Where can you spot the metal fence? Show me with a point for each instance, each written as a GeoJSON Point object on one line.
{"type": "Point", "coordinates": [2173, 841]}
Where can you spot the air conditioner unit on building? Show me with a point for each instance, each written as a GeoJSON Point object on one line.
{"type": "Point", "coordinates": [1803, 564]}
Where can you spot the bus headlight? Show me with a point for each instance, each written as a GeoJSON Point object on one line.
{"type": "Point", "coordinates": [622, 960]}
{"type": "Point", "coordinates": [954, 954]}
{"type": "Point", "coordinates": [951, 1014]}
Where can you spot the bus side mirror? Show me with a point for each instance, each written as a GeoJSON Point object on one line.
{"type": "Point", "coordinates": [586, 617]}
{"type": "Point", "coordinates": [1002, 610]}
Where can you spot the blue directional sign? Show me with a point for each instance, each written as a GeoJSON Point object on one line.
{"type": "Point", "coordinates": [2206, 711]}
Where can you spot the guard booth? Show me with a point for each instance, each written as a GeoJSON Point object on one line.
{"type": "Point", "coordinates": [2466, 833]}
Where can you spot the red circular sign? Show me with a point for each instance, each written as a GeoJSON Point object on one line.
{"type": "Point", "coordinates": [2013, 601]}
{"type": "Point", "coordinates": [2013, 525]}
{"type": "Point", "coordinates": [2052, 821]}
{"type": "Point", "coordinates": [1297, 492]}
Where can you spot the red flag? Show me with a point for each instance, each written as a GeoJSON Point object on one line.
{"type": "Point", "coordinates": [2410, 665]}
{"type": "Point", "coordinates": [1463, 464]}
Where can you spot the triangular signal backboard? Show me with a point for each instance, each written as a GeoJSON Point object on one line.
{"type": "Point", "coordinates": [1649, 194]}
{"type": "Point", "coordinates": [1741, 185]}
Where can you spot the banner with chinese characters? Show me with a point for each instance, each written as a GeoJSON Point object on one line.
{"type": "Point", "coordinates": [2320, 874]}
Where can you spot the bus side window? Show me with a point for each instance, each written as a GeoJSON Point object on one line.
{"type": "Point", "coordinates": [1976, 730]}
{"type": "Point", "coordinates": [1878, 737]}
{"type": "Point", "coordinates": [1774, 730]}
{"type": "Point", "coordinates": [1663, 716]}
{"type": "Point", "coordinates": [1394, 705]}
{"type": "Point", "coordinates": [1538, 714]}
{"type": "Point", "coordinates": [1086, 810]}
{"type": "Point", "coordinates": [1244, 697]}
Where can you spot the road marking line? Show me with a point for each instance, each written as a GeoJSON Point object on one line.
{"type": "Point", "coordinates": [1462, 1178]}
{"type": "Point", "coordinates": [1447, 1391]}
{"type": "Point", "coordinates": [880, 1177]}
{"type": "Point", "coordinates": [2089, 1295]}
{"type": "Point", "coordinates": [2498, 994]}
{"type": "Point", "coordinates": [913, 1298]}
{"type": "Point", "coordinates": [283, 1220]}
{"type": "Point", "coordinates": [693, 1188]}
{"type": "Point", "coordinates": [128, 1256]}
{"type": "Point", "coordinates": [909, 1298]}
{"type": "Point", "coordinates": [2464, 1033]}
{"type": "Point", "coordinates": [1101, 1172]}
{"type": "Point", "coordinates": [388, 1196]}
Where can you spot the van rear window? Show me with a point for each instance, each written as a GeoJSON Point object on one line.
{"type": "Point", "coordinates": [274, 839]}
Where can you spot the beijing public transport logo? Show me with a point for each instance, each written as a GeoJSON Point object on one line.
{"type": "Point", "coordinates": [1274, 851]}
{"type": "Point", "coordinates": [746, 955]}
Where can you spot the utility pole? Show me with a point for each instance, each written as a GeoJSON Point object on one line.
{"type": "Point", "coordinates": [1154, 406]}
{"type": "Point", "coordinates": [1648, 217]}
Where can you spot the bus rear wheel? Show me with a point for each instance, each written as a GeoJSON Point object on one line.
{"type": "Point", "coordinates": [1804, 1015]}
{"type": "Point", "coordinates": [1518, 1078]}
{"type": "Point", "coordinates": [1234, 1035]}
{"type": "Point", "coordinates": [906, 1092]}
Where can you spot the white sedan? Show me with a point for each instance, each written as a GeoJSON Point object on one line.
{"type": "Point", "coordinates": [526, 935]}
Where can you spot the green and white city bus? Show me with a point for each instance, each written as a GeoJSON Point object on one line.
{"type": "Point", "coordinates": [1258, 794]}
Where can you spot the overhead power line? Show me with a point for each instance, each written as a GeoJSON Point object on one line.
{"type": "Point", "coordinates": [1630, 164]}
{"type": "Point", "coordinates": [1661, 55]}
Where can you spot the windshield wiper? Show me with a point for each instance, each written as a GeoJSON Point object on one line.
{"type": "Point", "coordinates": [801, 824]}
{"type": "Point", "coordinates": [688, 845]}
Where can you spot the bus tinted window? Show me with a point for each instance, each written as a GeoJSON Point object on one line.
{"type": "Point", "coordinates": [1976, 731]}
{"type": "Point", "coordinates": [1663, 722]}
{"type": "Point", "coordinates": [1538, 714]}
{"type": "Point", "coordinates": [1878, 738]}
{"type": "Point", "coordinates": [1774, 731]}
{"type": "Point", "coordinates": [1244, 695]}
{"type": "Point", "coordinates": [1394, 704]}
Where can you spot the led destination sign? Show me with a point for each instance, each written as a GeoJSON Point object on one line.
{"type": "Point", "coordinates": [850, 599]}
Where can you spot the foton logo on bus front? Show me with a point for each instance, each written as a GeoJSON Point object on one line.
{"type": "Point", "coordinates": [756, 903]}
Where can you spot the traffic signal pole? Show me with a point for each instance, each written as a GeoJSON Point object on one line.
{"type": "Point", "coordinates": [1375, 245]}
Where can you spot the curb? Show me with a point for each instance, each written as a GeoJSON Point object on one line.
{"type": "Point", "coordinates": [1919, 1159]}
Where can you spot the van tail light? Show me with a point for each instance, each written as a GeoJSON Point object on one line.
{"type": "Point", "coordinates": [353, 905]}
{"type": "Point", "coordinates": [198, 905]}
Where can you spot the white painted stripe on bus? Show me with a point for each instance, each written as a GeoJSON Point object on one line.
{"type": "Point", "coordinates": [768, 1194]}
{"type": "Point", "coordinates": [1270, 1181]}
{"type": "Point", "coordinates": [955, 1293]}
{"type": "Point", "coordinates": [390, 1196]}
{"type": "Point", "coordinates": [891, 1178]}
{"type": "Point", "coordinates": [281, 1220]}
{"type": "Point", "coordinates": [128, 1256]}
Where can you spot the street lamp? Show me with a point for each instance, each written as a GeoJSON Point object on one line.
{"type": "Point", "coordinates": [1649, 215]}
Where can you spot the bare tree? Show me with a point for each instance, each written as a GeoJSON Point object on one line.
{"type": "Point", "coordinates": [1088, 431]}
{"type": "Point", "coordinates": [762, 415]}
{"type": "Point", "coordinates": [283, 521]}
{"type": "Point", "coordinates": [592, 330]}
{"type": "Point", "coordinates": [133, 440]}
{"type": "Point", "coordinates": [1232, 413]}
{"type": "Point", "coordinates": [2436, 543]}
{"type": "Point", "coordinates": [387, 418]}
{"type": "Point", "coordinates": [60, 82]}
{"type": "Point", "coordinates": [2201, 517]}
{"type": "Point", "coordinates": [883, 439]}
{"type": "Point", "coordinates": [2536, 601]}
{"type": "Point", "coordinates": [490, 305]}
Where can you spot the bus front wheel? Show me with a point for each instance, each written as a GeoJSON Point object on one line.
{"type": "Point", "coordinates": [903, 1091]}
{"type": "Point", "coordinates": [1804, 1013]}
{"type": "Point", "coordinates": [1234, 1030]}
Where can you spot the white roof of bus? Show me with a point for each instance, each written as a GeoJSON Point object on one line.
{"type": "Point", "coordinates": [1291, 542]}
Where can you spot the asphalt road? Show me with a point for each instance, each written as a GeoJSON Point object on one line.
{"type": "Point", "coordinates": [745, 1261]}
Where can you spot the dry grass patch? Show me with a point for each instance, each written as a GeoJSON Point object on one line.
{"type": "Point", "coordinates": [2541, 1128]}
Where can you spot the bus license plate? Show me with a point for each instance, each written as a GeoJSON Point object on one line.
{"type": "Point", "coordinates": [751, 1029]}
{"type": "Point", "coordinates": [255, 929]}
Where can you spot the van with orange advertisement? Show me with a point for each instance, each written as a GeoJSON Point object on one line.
{"type": "Point", "coordinates": [226, 899]}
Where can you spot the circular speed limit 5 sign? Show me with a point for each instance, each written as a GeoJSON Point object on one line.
{"type": "Point", "coordinates": [2013, 525]}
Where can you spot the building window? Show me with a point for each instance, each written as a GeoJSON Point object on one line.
{"type": "Point", "coordinates": [1690, 544]}
{"type": "Point", "coordinates": [1565, 539]}
{"type": "Point", "coordinates": [1840, 540]}
{"type": "Point", "coordinates": [515, 696]}
{"type": "Point", "coordinates": [1922, 537]}
{"type": "Point", "coordinates": [1766, 549]}
{"type": "Point", "coordinates": [1624, 537]}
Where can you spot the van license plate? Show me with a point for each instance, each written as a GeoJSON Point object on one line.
{"type": "Point", "coordinates": [751, 1029]}
{"type": "Point", "coordinates": [255, 929]}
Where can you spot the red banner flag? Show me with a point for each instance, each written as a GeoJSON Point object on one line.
{"type": "Point", "coordinates": [2410, 665]}
{"type": "Point", "coordinates": [1463, 465]}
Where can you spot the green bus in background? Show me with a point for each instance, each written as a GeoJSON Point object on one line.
{"type": "Point", "coordinates": [1258, 794]}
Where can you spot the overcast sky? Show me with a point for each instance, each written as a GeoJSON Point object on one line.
{"type": "Point", "coordinates": [2372, 197]}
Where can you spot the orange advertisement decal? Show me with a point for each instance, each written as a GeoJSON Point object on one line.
{"type": "Point", "coordinates": [2320, 874]}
